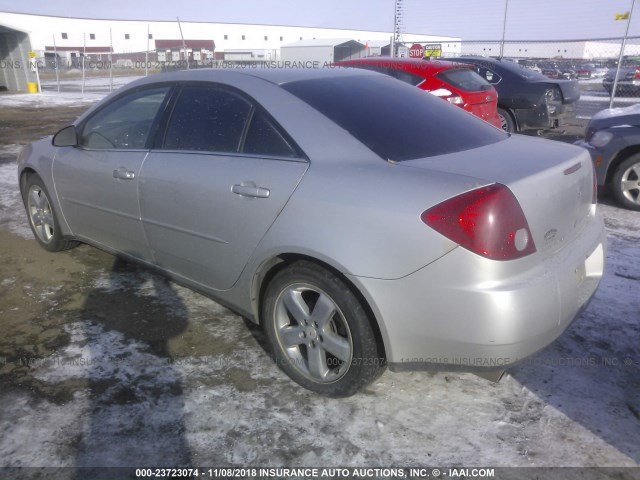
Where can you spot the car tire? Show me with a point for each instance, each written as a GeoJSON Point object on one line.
{"type": "Point", "coordinates": [42, 217]}
{"type": "Point", "coordinates": [626, 182]}
{"type": "Point", "coordinates": [508, 124]}
{"type": "Point", "coordinates": [319, 332]}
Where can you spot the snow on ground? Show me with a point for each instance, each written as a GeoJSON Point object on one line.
{"type": "Point", "coordinates": [49, 99]}
{"type": "Point", "coordinates": [10, 200]}
{"type": "Point", "coordinates": [104, 81]}
{"type": "Point", "coordinates": [570, 405]}
{"type": "Point", "coordinates": [599, 98]}
{"type": "Point", "coordinates": [70, 94]}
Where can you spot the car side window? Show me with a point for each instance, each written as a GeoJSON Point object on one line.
{"type": "Point", "coordinates": [207, 118]}
{"type": "Point", "coordinates": [264, 138]}
{"type": "Point", "coordinates": [124, 123]}
{"type": "Point", "coordinates": [489, 75]}
{"type": "Point", "coordinates": [406, 77]}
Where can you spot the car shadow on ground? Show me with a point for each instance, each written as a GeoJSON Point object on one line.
{"type": "Point", "coordinates": [591, 374]}
{"type": "Point", "coordinates": [136, 404]}
{"type": "Point", "coordinates": [600, 392]}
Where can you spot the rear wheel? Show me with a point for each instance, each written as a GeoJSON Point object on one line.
{"type": "Point", "coordinates": [507, 121]}
{"type": "Point", "coordinates": [626, 183]}
{"type": "Point", "coordinates": [319, 332]}
{"type": "Point", "coordinates": [42, 218]}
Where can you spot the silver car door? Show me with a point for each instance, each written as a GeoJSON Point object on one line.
{"type": "Point", "coordinates": [97, 181]}
{"type": "Point", "coordinates": [224, 174]}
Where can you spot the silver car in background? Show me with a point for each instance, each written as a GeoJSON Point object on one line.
{"type": "Point", "coordinates": [363, 222]}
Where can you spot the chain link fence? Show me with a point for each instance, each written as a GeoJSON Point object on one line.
{"type": "Point", "coordinates": [591, 62]}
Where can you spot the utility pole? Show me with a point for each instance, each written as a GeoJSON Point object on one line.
{"type": "Point", "coordinates": [84, 55]}
{"type": "Point", "coordinates": [57, 62]}
{"type": "Point", "coordinates": [146, 55]}
{"type": "Point", "coordinates": [624, 42]}
{"type": "Point", "coordinates": [397, 28]}
{"type": "Point", "coordinates": [504, 27]}
{"type": "Point", "coordinates": [184, 45]}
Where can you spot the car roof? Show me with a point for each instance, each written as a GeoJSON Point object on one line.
{"type": "Point", "coordinates": [276, 75]}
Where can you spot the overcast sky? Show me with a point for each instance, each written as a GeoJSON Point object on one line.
{"type": "Point", "coordinates": [469, 19]}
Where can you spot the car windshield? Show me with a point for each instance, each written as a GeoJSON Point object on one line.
{"type": "Point", "coordinates": [395, 120]}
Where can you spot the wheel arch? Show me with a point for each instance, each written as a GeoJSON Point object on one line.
{"type": "Point", "coordinates": [620, 157]}
{"type": "Point", "coordinates": [510, 111]}
{"type": "Point", "coordinates": [271, 266]}
{"type": "Point", "coordinates": [24, 177]}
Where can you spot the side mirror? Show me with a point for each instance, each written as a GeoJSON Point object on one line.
{"type": "Point", "coordinates": [67, 137]}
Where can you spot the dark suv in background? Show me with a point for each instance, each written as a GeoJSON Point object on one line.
{"type": "Point", "coordinates": [527, 100]}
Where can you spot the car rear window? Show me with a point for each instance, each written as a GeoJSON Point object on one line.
{"type": "Point", "coordinates": [465, 79]}
{"type": "Point", "coordinates": [395, 120]}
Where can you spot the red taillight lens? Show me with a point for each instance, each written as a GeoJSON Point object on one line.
{"type": "Point", "coordinates": [488, 221]}
{"type": "Point", "coordinates": [636, 75]}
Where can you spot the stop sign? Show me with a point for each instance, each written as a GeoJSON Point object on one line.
{"type": "Point", "coordinates": [416, 51]}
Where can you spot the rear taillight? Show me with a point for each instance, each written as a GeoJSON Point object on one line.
{"type": "Point", "coordinates": [553, 94]}
{"type": "Point", "coordinates": [448, 95]}
{"type": "Point", "coordinates": [488, 221]}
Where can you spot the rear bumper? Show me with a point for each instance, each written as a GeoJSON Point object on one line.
{"type": "Point", "coordinates": [546, 116]}
{"type": "Point", "coordinates": [464, 312]}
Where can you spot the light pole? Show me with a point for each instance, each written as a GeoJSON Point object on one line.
{"type": "Point", "coordinates": [504, 27]}
{"type": "Point", "coordinates": [624, 42]}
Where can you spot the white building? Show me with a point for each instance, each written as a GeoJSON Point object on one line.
{"type": "Point", "coordinates": [583, 49]}
{"type": "Point", "coordinates": [73, 37]}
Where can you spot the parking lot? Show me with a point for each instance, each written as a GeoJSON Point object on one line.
{"type": "Point", "coordinates": [105, 364]}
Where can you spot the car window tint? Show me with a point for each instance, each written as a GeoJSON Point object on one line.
{"type": "Point", "coordinates": [523, 72]}
{"type": "Point", "coordinates": [465, 79]}
{"type": "Point", "coordinates": [125, 122]}
{"type": "Point", "coordinates": [207, 118]}
{"type": "Point", "coordinates": [396, 121]}
{"type": "Point", "coordinates": [263, 138]}
{"type": "Point", "coordinates": [406, 77]}
{"type": "Point", "coordinates": [489, 75]}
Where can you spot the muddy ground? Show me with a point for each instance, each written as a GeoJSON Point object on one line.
{"type": "Point", "coordinates": [105, 364]}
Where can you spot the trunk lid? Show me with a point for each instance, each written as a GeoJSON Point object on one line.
{"type": "Point", "coordinates": [553, 183]}
{"type": "Point", "coordinates": [570, 89]}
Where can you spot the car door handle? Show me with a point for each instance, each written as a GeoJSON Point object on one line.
{"type": "Point", "coordinates": [251, 191]}
{"type": "Point", "coordinates": [123, 174]}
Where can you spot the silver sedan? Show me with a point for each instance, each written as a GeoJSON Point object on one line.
{"type": "Point", "coordinates": [362, 222]}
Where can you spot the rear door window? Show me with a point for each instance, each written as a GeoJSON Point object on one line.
{"type": "Point", "coordinates": [489, 75]}
{"type": "Point", "coordinates": [464, 79]}
{"type": "Point", "coordinates": [265, 138]}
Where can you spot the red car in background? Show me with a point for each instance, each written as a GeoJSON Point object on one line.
{"type": "Point", "coordinates": [457, 83]}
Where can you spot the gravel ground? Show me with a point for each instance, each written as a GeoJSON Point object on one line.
{"type": "Point", "coordinates": [105, 364]}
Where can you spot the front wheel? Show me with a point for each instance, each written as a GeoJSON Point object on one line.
{"type": "Point", "coordinates": [626, 183]}
{"type": "Point", "coordinates": [42, 218]}
{"type": "Point", "coordinates": [506, 120]}
{"type": "Point", "coordinates": [319, 332]}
